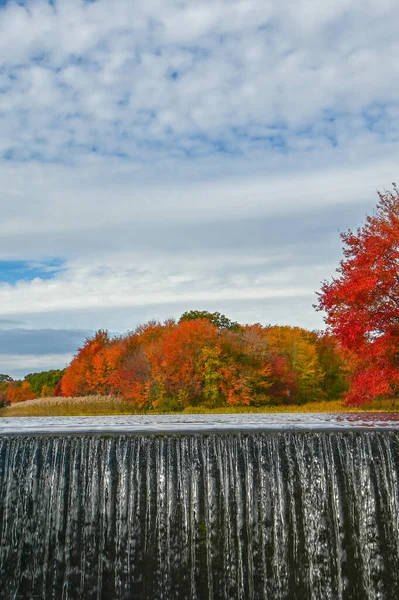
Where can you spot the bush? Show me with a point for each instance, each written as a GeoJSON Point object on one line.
{"type": "Point", "coordinates": [168, 404]}
{"type": "Point", "coordinates": [3, 400]}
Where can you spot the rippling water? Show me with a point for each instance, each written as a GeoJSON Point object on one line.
{"type": "Point", "coordinates": [200, 423]}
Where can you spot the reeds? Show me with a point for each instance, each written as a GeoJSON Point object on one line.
{"type": "Point", "coordinates": [325, 406]}
{"type": "Point", "coordinates": [106, 405]}
{"type": "Point", "coordinates": [54, 407]}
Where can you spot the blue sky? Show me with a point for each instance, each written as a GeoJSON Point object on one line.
{"type": "Point", "coordinates": [12, 271]}
{"type": "Point", "coordinates": [162, 156]}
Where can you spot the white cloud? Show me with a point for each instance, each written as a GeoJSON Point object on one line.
{"type": "Point", "coordinates": [19, 365]}
{"type": "Point", "coordinates": [121, 77]}
{"type": "Point", "coordinates": [122, 290]}
{"type": "Point", "coordinates": [118, 289]}
{"type": "Point", "coordinates": [41, 199]}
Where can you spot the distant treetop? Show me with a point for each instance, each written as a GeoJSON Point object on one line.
{"type": "Point", "coordinates": [218, 320]}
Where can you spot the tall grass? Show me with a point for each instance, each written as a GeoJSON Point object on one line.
{"type": "Point", "coordinates": [104, 405]}
{"type": "Point", "coordinates": [54, 407]}
{"type": "Point", "coordinates": [311, 407]}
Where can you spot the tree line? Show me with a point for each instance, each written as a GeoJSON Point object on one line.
{"type": "Point", "coordinates": [34, 385]}
{"type": "Point", "coordinates": [204, 359]}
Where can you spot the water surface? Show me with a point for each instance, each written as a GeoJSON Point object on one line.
{"type": "Point", "coordinates": [199, 423]}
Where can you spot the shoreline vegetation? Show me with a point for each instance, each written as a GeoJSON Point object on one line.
{"type": "Point", "coordinates": [105, 405]}
{"type": "Point", "coordinates": [202, 363]}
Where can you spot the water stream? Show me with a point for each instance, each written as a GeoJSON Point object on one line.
{"type": "Point", "coordinates": [271, 513]}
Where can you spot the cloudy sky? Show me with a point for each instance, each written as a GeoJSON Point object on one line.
{"type": "Point", "coordinates": [161, 156]}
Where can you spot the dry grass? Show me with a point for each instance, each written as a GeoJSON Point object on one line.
{"type": "Point", "coordinates": [54, 407]}
{"type": "Point", "coordinates": [311, 407]}
{"type": "Point", "coordinates": [104, 405]}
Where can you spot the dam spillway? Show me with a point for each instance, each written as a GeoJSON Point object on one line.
{"type": "Point", "coordinates": [276, 508]}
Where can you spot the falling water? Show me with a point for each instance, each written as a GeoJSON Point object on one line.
{"type": "Point", "coordinates": [233, 515]}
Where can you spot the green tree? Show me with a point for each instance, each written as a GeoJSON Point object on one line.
{"type": "Point", "coordinates": [44, 378]}
{"type": "Point", "coordinates": [334, 366]}
{"type": "Point", "coordinates": [218, 320]}
{"type": "Point", "coordinates": [5, 381]}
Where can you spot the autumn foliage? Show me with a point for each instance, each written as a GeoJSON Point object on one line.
{"type": "Point", "coordinates": [362, 303]}
{"type": "Point", "coordinates": [34, 385]}
{"type": "Point", "coordinates": [205, 361]}
{"type": "Point", "coordinates": [19, 392]}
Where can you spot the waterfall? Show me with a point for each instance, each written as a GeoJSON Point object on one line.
{"type": "Point", "coordinates": [237, 515]}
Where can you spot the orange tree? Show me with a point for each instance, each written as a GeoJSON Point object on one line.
{"type": "Point", "coordinates": [19, 391]}
{"type": "Point", "coordinates": [140, 376]}
{"type": "Point", "coordinates": [187, 351]}
{"type": "Point", "coordinates": [79, 378]}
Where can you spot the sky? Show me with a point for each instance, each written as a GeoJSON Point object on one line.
{"type": "Point", "coordinates": [158, 157]}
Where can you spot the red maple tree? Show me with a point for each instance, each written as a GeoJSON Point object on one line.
{"type": "Point", "coordinates": [362, 303]}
